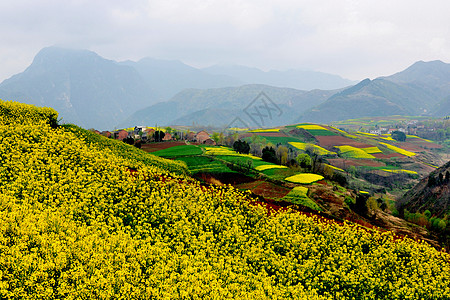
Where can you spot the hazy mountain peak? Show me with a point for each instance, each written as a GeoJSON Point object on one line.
{"type": "Point", "coordinates": [431, 73]}
{"type": "Point", "coordinates": [58, 54]}
{"type": "Point", "coordinates": [293, 78]}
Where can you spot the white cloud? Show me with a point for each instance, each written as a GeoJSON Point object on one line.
{"type": "Point", "coordinates": [356, 39]}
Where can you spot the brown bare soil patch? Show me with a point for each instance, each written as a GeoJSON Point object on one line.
{"type": "Point", "coordinates": [268, 134]}
{"type": "Point", "coordinates": [270, 190]}
{"type": "Point", "coordinates": [411, 147]}
{"type": "Point", "coordinates": [337, 140]}
{"type": "Point", "coordinates": [344, 163]}
{"type": "Point", "coordinates": [225, 178]}
{"type": "Point", "coordinates": [153, 147]}
{"type": "Point", "coordinates": [427, 145]}
{"type": "Point", "coordinates": [248, 185]}
{"type": "Point", "coordinates": [386, 156]}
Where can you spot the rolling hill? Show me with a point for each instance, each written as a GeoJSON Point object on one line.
{"type": "Point", "coordinates": [422, 89]}
{"type": "Point", "coordinates": [431, 193]}
{"type": "Point", "coordinates": [415, 91]}
{"type": "Point", "coordinates": [168, 77]}
{"type": "Point", "coordinates": [94, 92]}
{"type": "Point", "coordinates": [297, 79]}
{"type": "Point", "coordinates": [85, 88]}
{"type": "Point", "coordinates": [222, 105]}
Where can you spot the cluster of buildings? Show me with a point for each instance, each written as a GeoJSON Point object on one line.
{"type": "Point", "coordinates": [381, 130]}
{"type": "Point", "coordinates": [146, 134]}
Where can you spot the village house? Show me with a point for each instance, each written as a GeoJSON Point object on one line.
{"type": "Point", "coordinates": [139, 129]}
{"type": "Point", "coordinates": [190, 136]}
{"type": "Point", "coordinates": [121, 134]}
{"type": "Point", "coordinates": [201, 137]}
{"type": "Point", "coordinates": [167, 137]}
{"type": "Point", "coordinates": [209, 142]}
{"type": "Point", "coordinates": [106, 133]}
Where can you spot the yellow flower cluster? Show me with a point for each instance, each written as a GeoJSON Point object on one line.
{"type": "Point", "coordinates": [267, 167]}
{"type": "Point", "coordinates": [311, 127]}
{"type": "Point", "coordinates": [354, 152]}
{"type": "Point", "coordinates": [304, 146]}
{"type": "Point", "coordinates": [372, 150]}
{"type": "Point", "coordinates": [237, 129]}
{"type": "Point", "coordinates": [416, 137]}
{"type": "Point", "coordinates": [78, 220]}
{"type": "Point", "coordinates": [304, 178]}
{"type": "Point", "coordinates": [398, 150]}
{"type": "Point", "coordinates": [333, 167]}
{"type": "Point", "coordinates": [265, 130]}
{"type": "Point", "coordinates": [14, 112]}
{"type": "Point", "coordinates": [387, 137]}
{"type": "Point", "coordinates": [221, 150]}
{"type": "Point", "coordinates": [400, 171]}
{"type": "Point", "coordinates": [368, 134]}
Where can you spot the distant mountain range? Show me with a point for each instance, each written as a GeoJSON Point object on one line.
{"type": "Point", "coordinates": [168, 77]}
{"type": "Point", "coordinates": [297, 79]}
{"type": "Point", "coordinates": [220, 107]}
{"type": "Point", "coordinates": [83, 87]}
{"type": "Point", "coordinates": [91, 91]}
{"type": "Point", "coordinates": [422, 89]}
{"type": "Point", "coordinates": [94, 92]}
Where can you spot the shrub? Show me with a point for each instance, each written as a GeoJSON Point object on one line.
{"type": "Point", "coordinates": [269, 155]}
{"type": "Point", "coordinates": [241, 147]}
{"type": "Point", "coordinates": [398, 136]}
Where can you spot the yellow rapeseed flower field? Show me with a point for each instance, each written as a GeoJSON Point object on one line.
{"type": "Point", "coordinates": [267, 167]}
{"type": "Point", "coordinates": [398, 150]}
{"type": "Point", "coordinates": [265, 130]}
{"type": "Point", "coordinates": [84, 217]}
{"type": "Point", "coordinates": [304, 146]}
{"type": "Point", "coordinates": [354, 152]}
{"type": "Point", "coordinates": [304, 178]}
{"type": "Point", "coordinates": [227, 151]}
{"type": "Point", "coordinates": [311, 127]}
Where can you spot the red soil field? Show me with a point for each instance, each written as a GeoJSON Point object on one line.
{"type": "Point", "coordinates": [249, 185]}
{"type": "Point", "coordinates": [426, 145]}
{"type": "Point", "coordinates": [386, 156]}
{"type": "Point", "coordinates": [268, 134]}
{"type": "Point", "coordinates": [337, 140]}
{"type": "Point", "coordinates": [344, 163]}
{"type": "Point", "coordinates": [152, 147]}
{"type": "Point", "coordinates": [410, 147]}
{"type": "Point", "coordinates": [271, 191]}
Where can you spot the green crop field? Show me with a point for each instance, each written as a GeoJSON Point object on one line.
{"type": "Point", "coordinates": [321, 132]}
{"type": "Point", "coordinates": [299, 195]}
{"type": "Point", "coordinates": [197, 164]}
{"type": "Point", "coordinates": [278, 174]}
{"type": "Point", "coordinates": [282, 139]}
{"type": "Point", "coordinates": [177, 151]}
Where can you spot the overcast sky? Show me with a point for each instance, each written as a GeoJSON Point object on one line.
{"type": "Point", "coordinates": [354, 39]}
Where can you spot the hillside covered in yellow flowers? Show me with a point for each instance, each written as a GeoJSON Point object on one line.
{"type": "Point", "coordinates": [85, 217]}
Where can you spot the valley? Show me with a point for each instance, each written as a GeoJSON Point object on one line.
{"type": "Point", "coordinates": [352, 165]}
